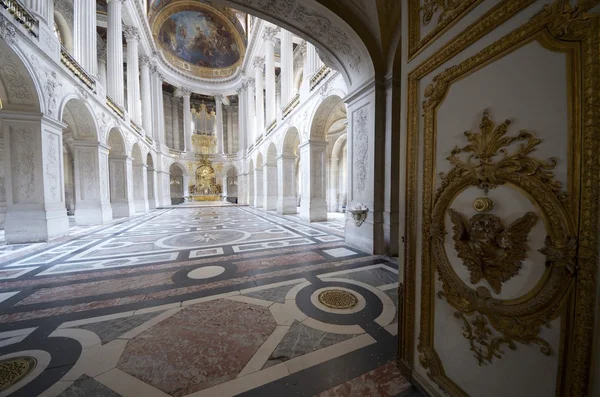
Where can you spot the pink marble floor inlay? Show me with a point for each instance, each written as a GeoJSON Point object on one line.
{"type": "Point", "coordinates": [201, 346]}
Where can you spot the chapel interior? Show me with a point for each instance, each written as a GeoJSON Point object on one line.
{"type": "Point", "coordinates": [312, 198]}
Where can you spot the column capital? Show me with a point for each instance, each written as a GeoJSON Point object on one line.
{"type": "Point", "coordinates": [241, 90]}
{"type": "Point", "coordinates": [144, 60]}
{"type": "Point", "coordinates": [250, 83]}
{"type": "Point", "coordinates": [259, 62]}
{"type": "Point", "coordinates": [185, 92]}
{"type": "Point", "coordinates": [270, 34]}
{"type": "Point", "coordinates": [219, 97]}
{"type": "Point", "coordinates": [302, 47]}
{"type": "Point", "coordinates": [131, 33]}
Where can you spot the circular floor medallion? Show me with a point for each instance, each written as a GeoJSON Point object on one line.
{"type": "Point", "coordinates": [206, 272]}
{"type": "Point", "coordinates": [12, 370]}
{"type": "Point", "coordinates": [338, 299]}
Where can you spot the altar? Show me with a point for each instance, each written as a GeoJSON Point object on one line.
{"type": "Point", "coordinates": [206, 187]}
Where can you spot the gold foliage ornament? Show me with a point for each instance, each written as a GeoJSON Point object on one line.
{"type": "Point", "coordinates": [494, 253]}
{"type": "Point", "coordinates": [447, 9]}
{"type": "Point", "coordinates": [488, 250]}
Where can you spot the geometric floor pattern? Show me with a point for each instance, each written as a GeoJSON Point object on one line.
{"type": "Point", "coordinates": [200, 301]}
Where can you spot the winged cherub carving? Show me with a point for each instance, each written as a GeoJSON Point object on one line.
{"type": "Point", "coordinates": [487, 249]}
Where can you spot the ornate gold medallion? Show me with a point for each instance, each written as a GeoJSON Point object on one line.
{"type": "Point", "coordinates": [483, 204]}
{"type": "Point", "coordinates": [338, 299]}
{"type": "Point", "coordinates": [12, 370]}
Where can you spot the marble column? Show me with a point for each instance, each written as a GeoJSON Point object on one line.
{"type": "Point", "coordinates": [140, 193]}
{"type": "Point", "coordinates": [286, 184]}
{"type": "Point", "coordinates": [151, 183]}
{"type": "Point", "coordinates": [258, 187]}
{"type": "Point", "coordinates": [121, 186]}
{"type": "Point", "coordinates": [313, 206]}
{"type": "Point", "coordinates": [219, 112]}
{"type": "Point", "coordinates": [259, 63]}
{"type": "Point", "coordinates": [44, 10]}
{"type": "Point", "coordinates": [230, 130]}
{"type": "Point", "coordinates": [241, 92]}
{"type": "Point", "coordinates": [158, 110]}
{"type": "Point", "coordinates": [313, 63]}
{"type": "Point", "coordinates": [133, 75]}
{"type": "Point", "coordinates": [187, 120]}
{"type": "Point", "coordinates": [84, 35]}
{"type": "Point", "coordinates": [91, 183]}
{"type": "Point", "coordinates": [114, 47]}
{"type": "Point", "coordinates": [270, 186]}
{"type": "Point", "coordinates": [271, 102]}
{"type": "Point", "coordinates": [287, 67]}
{"type": "Point", "coordinates": [250, 121]}
{"type": "Point", "coordinates": [334, 178]}
{"type": "Point", "coordinates": [35, 192]}
{"type": "Point", "coordinates": [146, 96]}
{"type": "Point", "coordinates": [102, 70]}
{"type": "Point", "coordinates": [242, 189]}
{"type": "Point", "coordinates": [175, 123]}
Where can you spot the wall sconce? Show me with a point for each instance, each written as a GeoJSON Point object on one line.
{"type": "Point", "coordinates": [359, 214]}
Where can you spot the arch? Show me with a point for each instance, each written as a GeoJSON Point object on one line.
{"type": "Point", "coordinates": [150, 160]}
{"type": "Point", "coordinates": [136, 154]}
{"type": "Point", "coordinates": [176, 183]}
{"type": "Point", "coordinates": [79, 118]}
{"type": "Point", "coordinates": [271, 155]}
{"type": "Point", "coordinates": [230, 184]}
{"type": "Point", "coordinates": [291, 141]}
{"type": "Point", "coordinates": [19, 87]}
{"type": "Point", "coordinates": [326, 114]}
{"type": "Point", "coordinates": [337, 189]}
{"type": "Point", "coordinates": [339, 144]}
{"type": "Point", "coordinates": [116, 142]}
{"type": "Point", "coordinates": [140, 175]}
{"type": "Point", "coordinates": [259, 161]}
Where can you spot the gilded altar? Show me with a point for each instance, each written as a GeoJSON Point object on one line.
{"type": "Point", "coordinates": [206, 187]}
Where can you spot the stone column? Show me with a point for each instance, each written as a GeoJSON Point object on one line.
{"type": "Point", "coordinates": [133, 75]}
{"type": "Point", "coordinates": [140, 192]}
{"type": "Point", "coordinates": [186, 186]}
{"type": "Point", "coordinates": [121, 186]}
{"type": "Point", "coordinates": [286, 184]}
{"type": "Point", "coordinates": [250, 121]}
{"type": "Point", "coordinates": [259, 63]}
{"type": "Point", "coordinates": [229, 130]}
{"type": "Point", "coordinates": [251, 188]}
{"type": "Point", "coordinates": [242, 189]}
{"type": "Point", "coordinates": [84, 35]}
{"type": "Point", "coordinates": [187, 120]}
{"type": "Point", "coordinates": [241, 92]}
{"type": "Point", "coordinates": [333, 184]}
{"type": "Point", "coordinates": [175, 105]}
{"type": "Point", "coordinates": [114, 47]}
{"type": "Point", "coordinates": [313, 62]}
{"type": "Point", "coordinates": [35, 195]}
{"type": "Point", "coordinates": [146, 97]}
{"type": "Point", "coordinates": [152, 193]}
{"type": "Point", "coordinates": [102, 70]}
{"type": "Point", "coordinates": [270, 186]}
{"type": "Point", "coordinates": [158, 110]}
{"type": "Point", "coordinates": [91, 183]}
{"type": "Point", "coordinates": [219, 111]}
{"type": "Point", "coordinates": [313, 207]}
{"type": "Point", "coordinates": [287, 67]}
{"type": "Point", "coordinates": [258, 187]}
{"type": "Point", "coordinates": [271, 103]}
{"type": "Point", "coordinates": [164, 188]}
{"type": "Point", "coordinates": [44, 10]}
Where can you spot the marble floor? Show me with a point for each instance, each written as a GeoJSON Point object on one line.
{"type": "Point", "coordinates": [199, 301]}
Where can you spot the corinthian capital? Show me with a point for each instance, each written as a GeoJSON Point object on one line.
{"type": "Point", "coordinates": [250, 83]}
{"type": "Point", "coordinates": [144, 60]}
{"type": "Point", "coordinates": [131, 33]}
{"type": "Point", "coordinates": [185, 92]}
{"type": "Point", "coordinates": [219, 98]}
{"type": "Point", "coordinates": [259, 62]}
{"type": "Point", "coordinates": [270, 34]}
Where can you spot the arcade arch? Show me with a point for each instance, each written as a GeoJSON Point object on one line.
{"type": "Point", "coordinates": [288, 173]}
{"type": "Point", "coordinates": [176, 183]}
{"type": "Point", "coordinates": [120, 176]}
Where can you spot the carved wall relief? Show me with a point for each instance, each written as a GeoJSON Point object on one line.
{"type": "Point", "coordinates": [361, 147]}
{"type": "Point", "coordinates": [52, 165]}
{"type": "Point", "coordinates": [23, 171]}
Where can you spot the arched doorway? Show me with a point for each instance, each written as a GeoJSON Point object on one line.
{"type": "Point", "coordinates": [338, 175]}
{"type": "Point", "coordinates": [120, 171]}
{"type": "Point", "coordinates": [85, 167]}
{"type": "Point", "coordinates": [140, 176]}
{"type": "Point", "coordinates": [151, 182]}
{"type": "Point", "coordinates": [287, 166]}
{"type": "Point", "coordinates": [258, 182]}
{"type": "Point", "coordinates": [31, 186]}
{"type": "Point", "coordinates": [176, 184]}
{"type": "Point", "coordinates": [251, 183]}
{"type": "Point", "coordinates": [313, 204]}
{"type": "Point", "coordinates": [270, 179]}
{"type": "Point", "coordinates": [230, 185]}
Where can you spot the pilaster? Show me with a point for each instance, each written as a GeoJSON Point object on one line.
{"type": "Point", "coordinates": [313, 206]}
{"type": "Point", "coordinates": [114, 47]}
{"type": "Point", "coordinates": [286, 184]}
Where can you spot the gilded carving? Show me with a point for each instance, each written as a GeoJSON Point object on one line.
{"type": "Point", "coordinates": [482, 204]}
{"type": "Point", "coordinates": [488, 250]}
{"type": "Point", "coordinates": [446, 9]}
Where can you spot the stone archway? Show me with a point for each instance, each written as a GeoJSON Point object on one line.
{"type": "Point", "coordinates": [230, 184]}
{"type": "Point", "coordinates": [140, 177]}
{"type": "Point", "coordinates": [258, 181]}
{"type": "Point", "coordinates": [85, 166]}
{"type": "Point", "coordinates": [270, 179]}
{"type": "Point", "coordinates": [120, 176]}
{"type": "Point", "coordinates": [287, 167]}
{"type": "Point", "coordinates": [31, 155]}
{"type": "Point", "coordinates": [151, 179]}
{"type": "Point", "coordinates": [176, 184]}
{"type": "Point", "coordinates": [251, 183]}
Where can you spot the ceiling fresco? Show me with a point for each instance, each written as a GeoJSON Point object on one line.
{"type": "Point", "coordinates": [198, 39]}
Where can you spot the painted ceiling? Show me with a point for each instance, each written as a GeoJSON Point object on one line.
{"type": "Point", "coordinates": [204, 40]}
